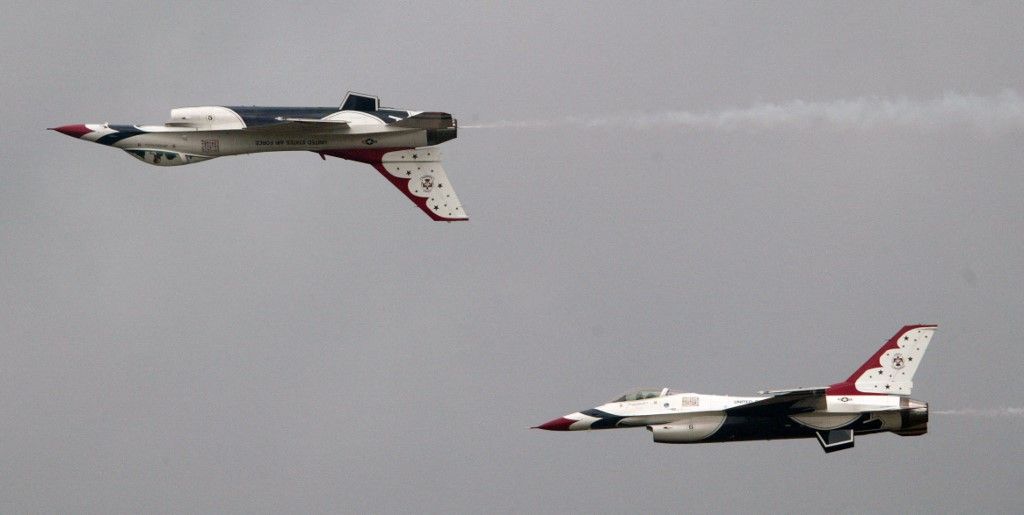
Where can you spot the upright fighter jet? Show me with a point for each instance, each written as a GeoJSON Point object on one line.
{"type": "Point", "coordinates": [874, 399]}
{"type": "Point", "coordinates": [398, 143]}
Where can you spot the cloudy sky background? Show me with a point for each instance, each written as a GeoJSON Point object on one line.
{"type": "Point", "coordinates": [714, 197]}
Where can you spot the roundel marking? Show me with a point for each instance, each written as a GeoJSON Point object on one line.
{"type": "Point", "coordinates": [897, 361]}
{"type": "Point", "coordinates": [427, 183]}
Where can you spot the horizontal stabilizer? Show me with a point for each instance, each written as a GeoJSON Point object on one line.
{"type": "Point", "coordinates": [819, 390]}
{"type": "Point", "coordinates": [312, 120]}
{"type": "Point", "coordinates": [427, 120]}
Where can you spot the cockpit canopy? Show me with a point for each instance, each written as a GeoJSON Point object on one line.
{"type": "Point", "coordinates": [644, 393]}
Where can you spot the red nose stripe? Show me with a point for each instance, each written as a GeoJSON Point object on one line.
{"type": "Point", "coordinates": [558, 424]}
{"type": "Point", "coordinates": [75, 131]}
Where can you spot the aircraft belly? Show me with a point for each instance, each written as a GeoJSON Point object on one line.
{"type": "Point", "coordinates": [270, 142]}
{"type": "Point", "coordinates": [693, 428]}
{"type": "Point", "coordinates": [741, 427]}
{"type": "Point", "coordinates": [169, 143]}
{"type": "Point", "coordinates": [648, 420]}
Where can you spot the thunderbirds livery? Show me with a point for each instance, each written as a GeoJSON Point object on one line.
{"type": "Point", "coordinates": [399, 144]}
{"type": "Point", "coordinates": [874, 399]}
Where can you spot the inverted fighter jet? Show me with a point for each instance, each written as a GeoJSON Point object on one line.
{"type": "Point", "coordinates": [399, 144]}
{"type": "Point", "coordinates": [874, 399]}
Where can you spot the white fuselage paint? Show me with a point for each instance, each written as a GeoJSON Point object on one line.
{"type": "Point", "coordinates": [678, 407]}
{"type": "Point", "coordinates": [209, 144]}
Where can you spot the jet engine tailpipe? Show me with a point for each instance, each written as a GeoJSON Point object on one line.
{"type": "Point", "coordinates": [914, 420]}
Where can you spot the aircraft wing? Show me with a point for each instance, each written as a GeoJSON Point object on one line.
{"type": "Point", "coordinates": [416, 172]}
{"type": "Point", "coordinates": [780, 401]}
{"type": "Point", "coordinates": [816, 390]}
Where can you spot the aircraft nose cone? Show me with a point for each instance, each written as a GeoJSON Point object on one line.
{"type": "Point", "coordinates": [558, 424]}
{"type": "Point", "coordinates": [75, 131]}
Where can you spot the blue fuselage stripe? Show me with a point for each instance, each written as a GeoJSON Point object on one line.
{"type": "Point", "coordinates": [604, 420]}
{"type": "Point", "coordinates": [123, 131]}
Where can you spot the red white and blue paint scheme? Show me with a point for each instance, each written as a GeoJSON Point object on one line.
{"type": "Point", "coordinates": [400, 144]}
{"type": "Point", "coordinates": [874, 399]}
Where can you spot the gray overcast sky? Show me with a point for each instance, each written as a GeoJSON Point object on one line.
{"type": "Point", "coordinates": [715, 197]}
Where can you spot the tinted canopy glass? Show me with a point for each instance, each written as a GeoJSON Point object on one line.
{"type": "Point", "coordinates": [643, 393]}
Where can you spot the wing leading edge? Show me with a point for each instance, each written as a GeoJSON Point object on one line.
{"type": "Point", "coordinates": [780, 401]}
{"type": "Point", "coordinates": [310, 125]}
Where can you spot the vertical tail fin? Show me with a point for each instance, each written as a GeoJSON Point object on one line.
{"type": "Point", "coordinates": [417, 173]}
{"type": "Point", "coordinates": [890, 371]}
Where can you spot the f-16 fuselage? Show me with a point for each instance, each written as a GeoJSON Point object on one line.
{"type": "Point", "coordinates": [398, 143]}
{"type": "Point", "coordinates": [874, 399]}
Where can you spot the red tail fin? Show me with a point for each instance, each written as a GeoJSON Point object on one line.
{"type": "Point", "coordinates": [890, 371]}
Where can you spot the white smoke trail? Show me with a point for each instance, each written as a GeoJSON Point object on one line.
{"type": "Point", "coordinates": [987, 113]}
{"type": "Point", "coordinates": [993, 412]}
